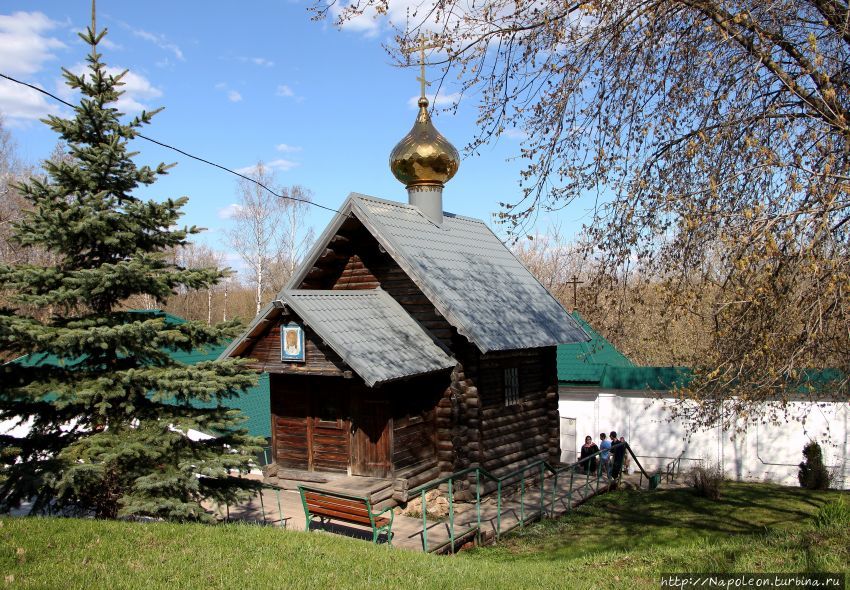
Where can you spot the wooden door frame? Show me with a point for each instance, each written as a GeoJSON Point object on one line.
{"type": "Point", "coordinates": [363, 394]}
{"type": "Point", "coordinates": [317, 395]}
{"type": "Point", "coordinates": [308, 397]}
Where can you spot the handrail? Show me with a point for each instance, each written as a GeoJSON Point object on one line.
{"type": "Point", "coordinates": [458, 474]}
{"type": "Point", "coordinates": [562, 468]}
{"type": "Point", "coordinates": [674, 466]}
{"type": "Point", "coordinates": [540, 464]}
{"type": "Point", "coordinates": [281, 519]}
{"type": "Point", "coordinates": [542, 468]}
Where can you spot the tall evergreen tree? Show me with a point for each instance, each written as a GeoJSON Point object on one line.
{"type": "Point", "coordinates": [108, 419]}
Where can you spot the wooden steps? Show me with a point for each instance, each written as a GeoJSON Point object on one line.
{"type": "Point", "coordinates": [378, 490]}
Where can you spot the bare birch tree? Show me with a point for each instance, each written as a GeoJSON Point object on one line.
{"type": "Point", "coordinates": [295, 235]}
{"type": "Point", "coordinates": [553, 260]}
{"type": "Point", "coordinates": [196, 304]}
{"type": "Point", "coordinates": [11, 202]}
{"type": "Point", "coordinates": [269, 233]}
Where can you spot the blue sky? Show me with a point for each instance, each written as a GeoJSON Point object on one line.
{"type": "Point", "coordinates": [248, 82]}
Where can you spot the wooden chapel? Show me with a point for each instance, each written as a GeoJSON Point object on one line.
{"type": "Point", "coordinates": [410, 343]}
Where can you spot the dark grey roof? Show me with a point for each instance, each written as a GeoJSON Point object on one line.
{"type": "Point", "coordinates": [469, 275]}
{"type": "Point", "coordinates": [370, 331]}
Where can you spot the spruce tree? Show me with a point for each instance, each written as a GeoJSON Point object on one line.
{"type": "Point", "coordinates": [107, 420]}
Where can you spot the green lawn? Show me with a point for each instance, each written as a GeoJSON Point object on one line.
{"type": "Point", "coordinates": [618, 540]}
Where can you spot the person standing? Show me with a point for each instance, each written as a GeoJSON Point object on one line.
{"type": "Point", "coordinates": [627, 461]}
{"type": "Point", "coordinates": [588, 449]}
{"type": "Point", "coordinates": [605, 455]}
{"type": "Point", "coordinates": [618, 452]}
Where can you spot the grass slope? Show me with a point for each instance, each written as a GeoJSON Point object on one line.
{"type": "Point", "coordinates": [623, 539]}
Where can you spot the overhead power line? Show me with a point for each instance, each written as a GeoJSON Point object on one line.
{"type": "Point", "coordinates": [178, 150]}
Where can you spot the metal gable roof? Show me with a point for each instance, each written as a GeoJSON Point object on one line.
{"type": "Point", "coordinates": [470, 276]}
{"type": "Point", "coordinates": [370, 331]}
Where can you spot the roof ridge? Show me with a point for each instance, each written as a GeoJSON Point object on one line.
{"type": "Point", "coordinates": [401, 205]}
{"type": "Point", "coordinates": [334, 292]}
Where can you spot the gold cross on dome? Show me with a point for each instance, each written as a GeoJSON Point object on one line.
{"type": "Point", "coordinates": [421, 47]}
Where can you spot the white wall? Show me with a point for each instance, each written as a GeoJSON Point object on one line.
{"type": "Point", "coordinates": [759, 453]}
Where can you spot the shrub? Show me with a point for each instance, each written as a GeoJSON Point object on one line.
{"type": "Point", "coordinates": [706, 481]}
{"type": "Point", "coordinates": [833, 514]}
{"type": "Point", "coordinates": [813, 474]}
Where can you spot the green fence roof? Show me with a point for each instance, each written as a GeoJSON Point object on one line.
{"type": "Point", "coordinates": [598, 362]}
{"type": "Point", "coordinates": [253, 403]}
{"type": "Point", "coordinates": [585, 362]}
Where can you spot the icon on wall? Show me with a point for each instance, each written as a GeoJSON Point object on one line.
{"type": "Point", "coordinates": [292, 343]}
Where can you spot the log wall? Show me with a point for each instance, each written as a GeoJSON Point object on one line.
{"type": "Point", "coordinates": [476, 429]}
{"type": "Point", "coordinates": [518, 434]}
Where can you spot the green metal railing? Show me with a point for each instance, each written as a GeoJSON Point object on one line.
{"type": "Point", "coordinates": [540, 469]}
{"type": "Point", "coordinates": [279, 521]}
{"type": "Point", "coordinates": [673, 468]}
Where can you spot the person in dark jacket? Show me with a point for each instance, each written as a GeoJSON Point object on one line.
{"type": "Point", "coordinates": [618, 450]}
{"type": "Point", "coordinates": [587, 449]}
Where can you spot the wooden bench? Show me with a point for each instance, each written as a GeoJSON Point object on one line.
{"type": "Point", "coordinates": [325, 504]}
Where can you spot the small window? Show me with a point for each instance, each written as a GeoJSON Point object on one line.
{"type": "Point", "coordinates": [511, 386]}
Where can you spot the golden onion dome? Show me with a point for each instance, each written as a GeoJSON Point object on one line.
{"type": "Point", "coordinates": [424, 156]}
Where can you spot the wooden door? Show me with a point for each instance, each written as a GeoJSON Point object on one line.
{"type": "Point", "coordinates": [329, 428]}
{"type": "Point", "coordinates": [370, 436]}
{"type": "Point", "coordinates": [310, 419]}
{"type": "Point", "coordinates": [291, 422]}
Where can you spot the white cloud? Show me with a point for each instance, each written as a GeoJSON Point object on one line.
{"type": "Point", "coordinates": [282, 165]}
{"type": "Point", "coordinates": [25, 43]}
{"type": "Point", "coordinates": [284, 90]}
{"type": "Point", "coordinates": [366, 22]}
{"type": "Point", "coordinates": [160, 41]}
{"type": "Point", "coordinates": [136, 89]}
{"type": "Point", "coordinates": [258, 61]}
{"type": "Point", "coordinates": [286, 148]}
{"type": "Point", "coordinates": [232, 95]}
{"type": "Point", "coordinates": [229, 211]}
{"type": "Point", "coordinates": [273, 166]}
{"type": "Point", "coordinates": [107, 44]}
{"type": "Point", "coordinates": [371, 22]}
{"type": "Point", "coordinates": [20, 102]}
{"type": "Point", "coordinates": [514, 133]}
{"type": "Point", "coordinates": [442, 100]}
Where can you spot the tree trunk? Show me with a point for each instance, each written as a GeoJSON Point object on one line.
{"type": "Point", "coordinates": [259, 287]}
{"type": "Point", "coordinates": [224, 313]}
